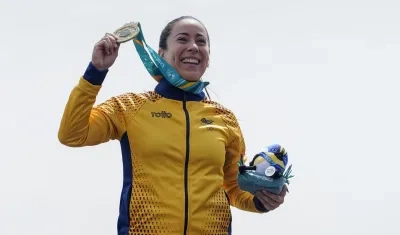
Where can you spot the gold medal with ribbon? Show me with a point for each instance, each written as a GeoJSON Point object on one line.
{"type": "Point", "coordinates": [127, 32]}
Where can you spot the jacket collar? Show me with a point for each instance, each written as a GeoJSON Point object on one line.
{"type": "Point", "coordinates": [165, 89]}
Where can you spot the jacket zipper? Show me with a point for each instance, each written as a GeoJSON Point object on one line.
{"type": "Point", "coordinates": [186, 165]}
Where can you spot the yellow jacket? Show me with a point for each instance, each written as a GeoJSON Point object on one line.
{"type": "Point", "coordinates": [180, 156]}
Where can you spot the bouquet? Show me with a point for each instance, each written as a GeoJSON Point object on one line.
{"type": "Point", "coordinates": [267, 171]}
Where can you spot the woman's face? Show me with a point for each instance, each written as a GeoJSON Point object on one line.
{"type": "Point", "coordinates": [187, 49]}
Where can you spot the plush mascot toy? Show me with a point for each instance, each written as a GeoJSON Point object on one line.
{"type": "Point", "coordinates": [266, 171]}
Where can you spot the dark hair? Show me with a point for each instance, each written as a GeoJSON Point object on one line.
{"type": "Point", "coordinates": [168, 28]}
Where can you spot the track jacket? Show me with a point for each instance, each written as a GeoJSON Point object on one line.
{"type": "Point", "coordinates": [180, 156]}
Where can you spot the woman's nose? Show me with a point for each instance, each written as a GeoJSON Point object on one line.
{"type": "Point", "coordinates": [193, 47]}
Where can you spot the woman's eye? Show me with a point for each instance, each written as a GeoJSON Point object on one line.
{"type": "Point", "coordinates": [182, 39]}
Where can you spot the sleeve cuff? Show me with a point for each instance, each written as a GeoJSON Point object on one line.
{"type": "Point", "coordinates": [258, 204]}
{"type": "Point", "coordinates": [94, 76]}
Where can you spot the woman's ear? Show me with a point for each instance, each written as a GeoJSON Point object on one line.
{"type": "Point", "coordinates": [161, 52]}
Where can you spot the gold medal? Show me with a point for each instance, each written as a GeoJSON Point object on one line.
{"type": "Point", "coordinates": [127, 32]}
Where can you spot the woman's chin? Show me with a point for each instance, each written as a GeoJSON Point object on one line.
{"type": "Point", "coordinates": [191, 76]}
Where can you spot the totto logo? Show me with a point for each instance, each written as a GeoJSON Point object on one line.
{"type": "Point", "coordinates": [161, 114]}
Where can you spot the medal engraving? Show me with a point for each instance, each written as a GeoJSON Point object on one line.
{"type": "Point", "coordinates": [127, 32]}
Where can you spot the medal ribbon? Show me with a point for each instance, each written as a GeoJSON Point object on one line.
{"type": "Point", "coordinates": [159, 68]}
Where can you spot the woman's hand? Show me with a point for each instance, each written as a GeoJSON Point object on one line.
{"type": "Point", "coordinates": [105, 52]}
{"type": "Point", "coordinates": [271, 201]}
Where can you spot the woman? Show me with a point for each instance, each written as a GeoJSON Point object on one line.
{"type": "Point", "coordinates": [180, 150]}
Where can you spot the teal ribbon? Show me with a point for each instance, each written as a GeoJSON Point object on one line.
{"type": "Point", "coordinates": [158, 67]}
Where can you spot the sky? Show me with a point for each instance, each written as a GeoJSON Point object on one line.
{"type": "Point", "coordinates": [318, 77]}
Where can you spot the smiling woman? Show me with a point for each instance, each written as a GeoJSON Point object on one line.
{"type": "Point", "coordinates": [185, 44]}
{"type": "Point", "coordinates": [199, 141]}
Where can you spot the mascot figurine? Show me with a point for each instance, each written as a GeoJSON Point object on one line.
{"type": "Point", "coordinates": [266, 171]}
